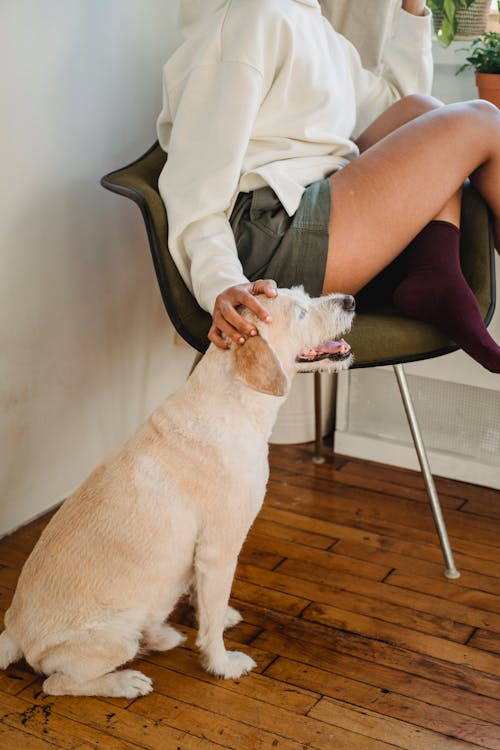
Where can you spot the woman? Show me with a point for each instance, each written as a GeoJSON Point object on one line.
{"type": "Point", "coordinates": [288, 160]}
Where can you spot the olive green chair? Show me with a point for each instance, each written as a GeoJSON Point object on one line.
{"type": "Point", "coordinates": [380, 335]}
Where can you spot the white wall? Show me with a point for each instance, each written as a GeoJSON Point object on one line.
{"type": "Point", "coordinates": [86, 347]}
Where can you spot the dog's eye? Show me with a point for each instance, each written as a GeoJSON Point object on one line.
{"type": "Point", "coordinates": [301, 313]}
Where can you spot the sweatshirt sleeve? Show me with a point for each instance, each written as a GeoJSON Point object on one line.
{"type": "Point", "coordinates": [212, 121]}
{"type": "Point", "coordinates": [407, 68]}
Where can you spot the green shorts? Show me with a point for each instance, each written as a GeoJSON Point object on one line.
{"type": "Point", "coordinates": [292, 250]}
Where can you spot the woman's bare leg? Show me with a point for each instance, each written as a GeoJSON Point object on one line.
{"type": "Point", "coordinates": [432, 287]}
{"type": "Point", "coordinates": [399, 184]}
{"type": "Point", "coordinates": [403, 111]}
{"type": "Point", "coordinates": [380, 290]}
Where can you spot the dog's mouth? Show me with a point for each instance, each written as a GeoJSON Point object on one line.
{"type": "Point", "coordinates": [336, 351]}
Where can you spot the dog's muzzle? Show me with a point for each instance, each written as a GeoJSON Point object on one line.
{"type": "Point", "coordinates": [335, 351]}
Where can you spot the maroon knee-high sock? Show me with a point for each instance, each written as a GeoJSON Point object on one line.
{"type": "Point", "coordinates": [435, 291]}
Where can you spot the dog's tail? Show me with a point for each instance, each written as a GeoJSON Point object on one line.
{"type": "Point", "coordinates": [9, 650]}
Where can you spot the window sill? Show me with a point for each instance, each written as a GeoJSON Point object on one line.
{"type": "Point", "coordinates": [454, 55]}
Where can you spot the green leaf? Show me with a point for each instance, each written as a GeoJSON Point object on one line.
{"type": "Point", "coordinates": [447, 31]}
{"type": "Point", "coordinates": [484, 54]}
{"type": "Point", "coordinates": [449, 9]}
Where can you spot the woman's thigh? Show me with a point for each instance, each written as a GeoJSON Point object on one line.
{"type": "Point", "coordinates": [381, 200]}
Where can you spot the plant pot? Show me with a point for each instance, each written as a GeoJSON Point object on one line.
{"type": "Point", "coordinates": [471, 22]}
{"type": "Point", "coordinates": [488, 85]}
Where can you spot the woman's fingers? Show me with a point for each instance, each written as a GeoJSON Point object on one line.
{"type": "Point", "coordinates": [216, 338]}
{"type": "Point", "coordinates": [228, 323]}
{"type": "Point", "coordinates": [265, 286]}
{"type": "Point", "coordinates": [228, 310]}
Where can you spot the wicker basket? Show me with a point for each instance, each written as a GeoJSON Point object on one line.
{"type": "Point", "coordinates": [471, 22]}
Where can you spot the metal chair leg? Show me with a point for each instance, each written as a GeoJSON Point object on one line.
{"type": "Point", "coordinates": [451, 571]}
{"type": "Point", "coordinates": [318, 457]}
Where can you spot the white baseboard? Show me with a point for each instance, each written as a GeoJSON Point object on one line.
{"type": "Point", "coordinates": [404, 456]}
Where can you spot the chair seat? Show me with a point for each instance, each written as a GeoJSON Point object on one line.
{"type": "Point", "coordinates": [379, 335]}
{"type": "Point", "coordinates": [383, 336]}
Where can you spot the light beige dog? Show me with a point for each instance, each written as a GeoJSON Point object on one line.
{"type": "Point", "coordinates": [168, 510]}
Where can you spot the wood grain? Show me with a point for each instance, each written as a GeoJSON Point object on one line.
{"type": "Point", "coordinates": [360, 642]}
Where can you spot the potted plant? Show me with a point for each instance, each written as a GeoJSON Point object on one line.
{"type": "Point", "coordinates": [463, 19]}
{"type": "Point", "coordinates": [484, 58]}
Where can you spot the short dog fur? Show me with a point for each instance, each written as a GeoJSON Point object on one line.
{"type": "Point", "coordinates": [167, 511]}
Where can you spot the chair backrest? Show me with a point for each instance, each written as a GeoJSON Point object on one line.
{"type": "Point", "coordinates": [379, 337]}
{"type": "Point", "coordinates": [139, 182]}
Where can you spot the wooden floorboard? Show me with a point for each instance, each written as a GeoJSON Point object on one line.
{"type": "Point", "coordinates": [360, 641]}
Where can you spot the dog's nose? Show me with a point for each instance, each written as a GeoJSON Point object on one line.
{"type": "Point", "coordinates": [349, 303]}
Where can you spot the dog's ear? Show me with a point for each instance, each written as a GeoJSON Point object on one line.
{"type": "Point", "coordinates": [258, 366]}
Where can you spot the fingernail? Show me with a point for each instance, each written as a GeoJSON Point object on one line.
{"type": "Point", "coordinates": [268, 319]}
{"type": "Point", "coordinates": [253, 332]}
{"type": "Point", "coordinates": [241, 340]}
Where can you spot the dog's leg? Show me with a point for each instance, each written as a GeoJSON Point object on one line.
{"type": "Point", "coordinates": [126, 683]}
{"type": "Point", "coordinates": [214, 577]}
{"type": "Point", "coordinates": [9, 650]}
{"type": "Point", "coordinates": [162, 637]}
{"type": "Point", "coordinates": [232, 618]}
{"type": "Point", "coordinates": [85, 666]}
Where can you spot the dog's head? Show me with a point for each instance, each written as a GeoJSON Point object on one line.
{"type": "Point", "coordinates": [305, 336]}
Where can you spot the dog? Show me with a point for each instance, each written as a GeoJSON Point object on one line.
{"type": "Point", "coordinates": [166, 512]}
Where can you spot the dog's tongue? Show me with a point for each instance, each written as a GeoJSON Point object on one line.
{"type": "Point", "coordinates": [334, 347]}
{"type": "Point", "coordinates": [329, 347]}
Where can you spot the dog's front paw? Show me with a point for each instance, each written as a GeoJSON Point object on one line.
{"type": "Point", "coordinates": [234, 664]}
{"type": "Point", "coordinates": [129, 683]}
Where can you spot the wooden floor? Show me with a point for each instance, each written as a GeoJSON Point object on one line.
{"type": "Point", "coordinates": [360, 641]}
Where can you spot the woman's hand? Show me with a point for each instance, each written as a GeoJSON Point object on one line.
{"type": "Point", "coordinates": [226, 319]}
{"type": "Point", "coordinates": [415, 7]}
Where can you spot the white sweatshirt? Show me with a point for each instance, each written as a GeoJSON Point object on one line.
{"type": "Point", "coordinates": [264, 92]}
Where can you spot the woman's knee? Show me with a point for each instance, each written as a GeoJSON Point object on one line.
{"type": "Point", "coordinates": [480, 119]}
{"type": "Point", "coordinates": [484, 109]}
{"type": "Point", "coordinates": [398, 114]}
{"type": "Point", "coordinates": [419, 104]}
